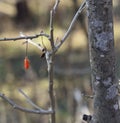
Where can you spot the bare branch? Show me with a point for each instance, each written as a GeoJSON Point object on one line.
{"type": "Point", "coordinates": [18, 107]}
{"type": "Point", "coordinates": [51, 29]}
{"type": "Point", "coordinates": [25, 37]}
{"type": "Point", "coordinates": [71, 26]}
{"type": "Point", "coordinates": [33, 43]}
{"type": "Point", "coordinates": [30, 101]}
{"type": "Point", "coordinates": [50, 61]}
{"type": "Point", "coordinates": [56, 5]}
{"type": "Point", "coordinates": [52, 14]}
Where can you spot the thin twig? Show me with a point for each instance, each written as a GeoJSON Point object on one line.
{"type": "Point", "coordinates": [18, 107]}
{"type": "Point", "coordinates": [51, 29]}
{"type": "Point", "coordinates": [71, 26]}
{"type": "Point", "coordinates": [35, 44]}
{"type": "Point", "coordinates": [56, 5]}
{"type": "Point", "coordinates": [52, 14]}
{"type": "Point", "coordinates": [25, 37]}
{"type": "Point", "coordinates": [30, 101]}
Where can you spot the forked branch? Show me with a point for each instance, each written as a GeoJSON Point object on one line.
{"type": "Point", "coordinates": [50, 62]}
{"type": "Point", "coordinates": [25, 37]}
{"type": "Point", "coordinates": [18, 107]}
{"type": "Point", "coordinates": [71, 25]}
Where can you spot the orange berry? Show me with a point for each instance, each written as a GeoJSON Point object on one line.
{"type": "Point", "coordinates": [26, 63]}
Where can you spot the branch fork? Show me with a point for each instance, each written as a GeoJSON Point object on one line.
{"type": "Point", "coordinates": [55, 45]}
{"type": "Point", "coordinates": [37, 109]}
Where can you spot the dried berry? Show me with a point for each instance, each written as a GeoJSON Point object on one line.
{"type": "Point", "coordinates": [26, 63]}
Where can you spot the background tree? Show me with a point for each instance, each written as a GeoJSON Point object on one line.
{"type": "Point", "coordinates": [23, 11]}
{"type": "Point", "coordinates": [102, 60]}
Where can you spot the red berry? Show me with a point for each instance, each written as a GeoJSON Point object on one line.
{"type": "Point", "coordinates": [26, 63]}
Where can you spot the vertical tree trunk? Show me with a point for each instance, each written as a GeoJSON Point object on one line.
{"type": "Point", "coordinates": [102, 60]}
{"type": "Point", "coordinates": [23, 12]}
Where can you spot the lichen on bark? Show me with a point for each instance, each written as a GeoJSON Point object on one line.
{"type": "Point", "coordinates": [102, 61]}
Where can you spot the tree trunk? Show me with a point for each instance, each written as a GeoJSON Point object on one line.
{"type": "Point", "coordinates": [24, 17]}
{"type": "Point", "coordinates": [23, 11]}
{"type": "Point", "coordinates": [102, 61]}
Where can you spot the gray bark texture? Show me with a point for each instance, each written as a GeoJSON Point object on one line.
{"type": "Point", "coordinates": [102, 61]}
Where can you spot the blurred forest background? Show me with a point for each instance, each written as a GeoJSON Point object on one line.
{"type": "Point", "coordinates": [72, 69]}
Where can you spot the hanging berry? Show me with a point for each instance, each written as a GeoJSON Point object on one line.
{"type": "Point", "coordinates": [26, 63]}
{"type": "Point", "coordinates": [26, 60]}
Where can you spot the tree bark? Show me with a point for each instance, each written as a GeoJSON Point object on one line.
{"type": "Point", "coordinates": [102, 61]}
